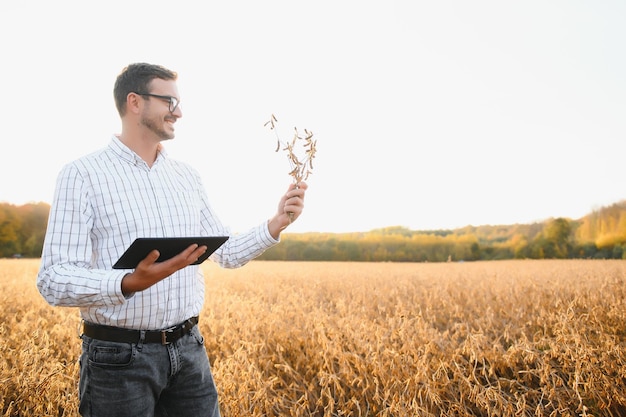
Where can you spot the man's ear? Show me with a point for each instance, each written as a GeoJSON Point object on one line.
{"type": "Point", "coordinates": [133, 103]}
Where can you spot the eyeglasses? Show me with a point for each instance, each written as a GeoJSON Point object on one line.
{"type": "Point", "coordinates": [173, 101]}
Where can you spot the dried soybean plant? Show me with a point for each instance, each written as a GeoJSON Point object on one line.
{"type": "Point", "coordinates": [300, 168]}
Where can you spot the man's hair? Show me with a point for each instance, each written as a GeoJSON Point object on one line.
{"type": "Point", "coordinates": [136, 78]}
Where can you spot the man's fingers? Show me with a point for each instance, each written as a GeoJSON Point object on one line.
{"type": "Point", "coordinates": [186, 257]}
{"type": "Point", "coordinates": [150, 258]}
{"type": "Point", "coordinates": [189, 255]}
{"type": "Point", "coordinates": [198, 252]}
{"type": "Point", "coordinates": [189, 250]}
{"type": "Point", "coordinates": [154, 255]}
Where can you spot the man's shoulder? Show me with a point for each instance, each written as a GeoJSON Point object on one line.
{"type": "Point", "coordinates": [89, 159]}
{"type": "Point", "coordinates": [94, 161]}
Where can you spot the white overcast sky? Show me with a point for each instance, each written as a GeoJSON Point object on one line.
{"type": "Point", "coordinates": [428, 114]}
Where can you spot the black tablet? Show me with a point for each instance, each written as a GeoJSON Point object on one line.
{"type": "Point", "coordinates": [168, 248]}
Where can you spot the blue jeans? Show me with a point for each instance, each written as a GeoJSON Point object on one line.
{"type": "Point", "coordinates": [147, 379]}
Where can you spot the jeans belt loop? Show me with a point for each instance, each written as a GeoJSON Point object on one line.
{"type": "Point", "coordinates": [142, 338]}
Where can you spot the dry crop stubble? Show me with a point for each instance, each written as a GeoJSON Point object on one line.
{"type": "Point", "coordinates": [500, 338]}
{"type": "Point", "coordinates": [39, 346]}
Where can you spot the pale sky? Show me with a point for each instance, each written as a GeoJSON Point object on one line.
{"type": "Point", "coordinates": [428, 115]}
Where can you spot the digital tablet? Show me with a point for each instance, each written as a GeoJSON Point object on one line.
{"type": "Point", "coordinates": [168, 247]}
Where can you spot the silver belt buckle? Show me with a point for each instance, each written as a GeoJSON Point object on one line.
{"type": "Point", "coordinates": [164, 335]}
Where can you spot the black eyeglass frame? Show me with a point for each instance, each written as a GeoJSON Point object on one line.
{"type": "Point", "coordinates": [173, 101]}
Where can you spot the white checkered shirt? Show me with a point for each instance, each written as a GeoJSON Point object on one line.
{"type": "Point", "coordinates": [104, 201]}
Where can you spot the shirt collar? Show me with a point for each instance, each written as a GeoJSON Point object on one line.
{"type": "Point", "coordinates": [127, 154]}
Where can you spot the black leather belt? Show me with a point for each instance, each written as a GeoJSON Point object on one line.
{"type": "Point", "coordinates": [118, 334]}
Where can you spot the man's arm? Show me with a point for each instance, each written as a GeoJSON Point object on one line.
{"type": "Point", "coordinates": [66, 277]}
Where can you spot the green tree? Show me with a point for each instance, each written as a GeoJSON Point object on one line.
{"type": "Point", "coordinates": [9, 227]}
{"type": "Point", "coordinates": [557, 238]}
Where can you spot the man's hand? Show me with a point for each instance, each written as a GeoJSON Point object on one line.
{"type": "Point", "coordinates": [149, 271]}
{"type": "Point", "coordinates": [289, 209]}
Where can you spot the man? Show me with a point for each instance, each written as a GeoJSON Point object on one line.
{"type": "Point", "coordinates": [142, 354]}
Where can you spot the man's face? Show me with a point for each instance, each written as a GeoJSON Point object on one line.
{"type": "Point", "coordinates": [156, 115]}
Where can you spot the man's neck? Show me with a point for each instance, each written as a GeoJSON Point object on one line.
{"type": "Point", "coordinates": [147, 149]}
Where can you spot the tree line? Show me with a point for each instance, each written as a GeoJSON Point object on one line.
{"type": "Point", "coordinates": [601, 235]}
{"type": "Point", "coordinates": [22, 229]}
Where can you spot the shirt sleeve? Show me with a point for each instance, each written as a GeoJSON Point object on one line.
{"type": "Point", "coordinates": [242, 248]}
{"type": "Point", "coordinates": [66, 277]}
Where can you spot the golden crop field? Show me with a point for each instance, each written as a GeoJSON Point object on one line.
{"type": "Point", "coordinates": [500, 338]}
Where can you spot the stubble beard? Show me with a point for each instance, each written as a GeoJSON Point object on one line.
{"type": "Point", "coordinates": [156, 126]}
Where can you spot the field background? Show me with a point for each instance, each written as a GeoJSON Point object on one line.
{"type": "Point", "coordinates": [498, 338]}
